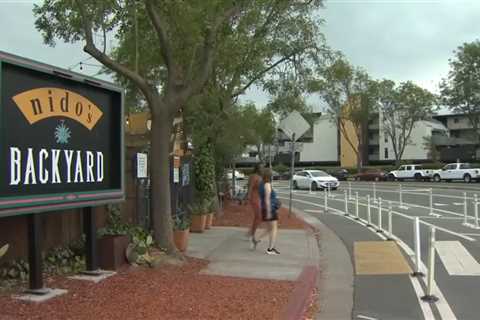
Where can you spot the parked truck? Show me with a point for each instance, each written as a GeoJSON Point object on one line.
{"type": "Point", "coordinates": [457, 171]}
{"type": "Point", "coordinates": [410, 171]}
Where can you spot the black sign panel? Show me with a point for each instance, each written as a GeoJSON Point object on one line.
{"type": "Point", "coordinates": [61, 139]}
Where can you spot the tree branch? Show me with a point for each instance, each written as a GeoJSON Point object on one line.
{"type": "Point", "coordinates": [197, 82]}
{"type": "Point", "coordinates": [165, 49]}
{"type": "Point", "coordinates": [91, 49]}
{"type": "Point", "coordinates": [260, 74]}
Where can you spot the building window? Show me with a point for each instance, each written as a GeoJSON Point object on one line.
{"type": "Point", "coordinates": [386, 153]}
{"type": "Point", "coordinates": [455, 120]}
{"type": "Point", "coordinates": [385, 135]}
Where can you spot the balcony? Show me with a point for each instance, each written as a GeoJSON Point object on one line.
{"type": "Point", "coordinates": [374, 157]}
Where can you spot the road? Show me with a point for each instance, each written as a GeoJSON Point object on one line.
{"type": "Point", "coordinates": [384, 288]}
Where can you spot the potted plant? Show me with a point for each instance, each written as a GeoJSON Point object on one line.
{"type": "Point", "coordinates": [198, 215]}
{"type": "Point", "coordinates": [112, 241]}
{"type": "Point", "coordinates": [181, 231]}
{"type": "Point", "coordinates": [210, 215]}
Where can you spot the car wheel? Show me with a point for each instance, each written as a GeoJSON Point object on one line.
{"type": "Point", "coordinates": [391, 177]}
{"type": "Point", "coordinates": [314, 186]}
{"type": "Point", "coordinates": [437, 178]}
{"type": "Point", "coordinates": [467, 178]}
{"type": "Point", "coordinates": [418, 177]}
{"type": "Point", "coordinates": [295, 185]}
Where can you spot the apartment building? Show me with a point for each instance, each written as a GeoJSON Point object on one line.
{"type": "Point", "coordinates": [463, 143]}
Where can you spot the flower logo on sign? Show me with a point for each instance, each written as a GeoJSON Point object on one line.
{"type": "Point", "coordinates": [62, 133]}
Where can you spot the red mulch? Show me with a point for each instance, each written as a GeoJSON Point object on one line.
{"type": "Point", "coordinates": [236, 215]}
{"type": "Point", "coordinates": [168, 292]}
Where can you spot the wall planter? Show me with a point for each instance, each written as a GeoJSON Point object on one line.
{"type": "Point", "coordinates": [111, 251]}
{"type": "Point", "coordinates": [198, 223]}
{"type": "Point", "coordinates": [180, 238]}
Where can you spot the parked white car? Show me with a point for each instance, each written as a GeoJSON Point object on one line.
{"type": "Point", "coordinates": [238, 175]}
{"type": "Point", "coordinates": [410, 171]}
{"type": "Point", "coordinates": [315, 179]}
{"type": "Point", "coordinates": [457, 171]}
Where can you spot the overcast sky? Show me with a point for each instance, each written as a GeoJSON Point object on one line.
{"type": "Point", "coordinates": [395, 39]}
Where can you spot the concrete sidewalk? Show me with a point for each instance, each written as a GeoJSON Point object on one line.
{"type": "Point", "coordinates": [229, 253]}
{"type": "Point", "coordinates": [303, 259]}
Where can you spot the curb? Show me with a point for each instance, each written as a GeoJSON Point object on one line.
{"type": "Point", "coordinates": [335, 286]}
{"type": "Point", "coordinates": [299, 298]}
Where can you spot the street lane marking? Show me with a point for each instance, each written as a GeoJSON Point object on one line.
{"type": "Point", "coordinates": [365, 317]}
{"type": "Point", "coordinates": [458, 203]}
{"type": "Point", "coordinates": [456, 259]}
{"type": "Point", "coordinates": [440, 204]}
{"type": "Point", "coordinates": [314, 211]}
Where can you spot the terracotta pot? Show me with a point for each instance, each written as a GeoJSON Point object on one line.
{"type": "Point", "coordinates": [180, 237]}
{"type": "Point", "coordinates": [198, 223]}
{"type": "Point", "coordinates": [209, 221]}
{"type": "Point", "coordinates": [111, 252]}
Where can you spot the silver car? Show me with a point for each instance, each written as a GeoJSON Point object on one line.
{"type": "Point", "coordinates": [314, 179]}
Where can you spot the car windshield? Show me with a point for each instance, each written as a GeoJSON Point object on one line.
{"type": "Point", "coordinates": [318, 174]}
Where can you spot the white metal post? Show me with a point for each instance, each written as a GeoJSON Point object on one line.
{"type": "Point", "coordinates": [346, 203]}
{"type": "Point", "coordinates": [465, 209]}
{"type": "Point", "coordinates": [429, 297]}
{"type": "Point", "coordinates": [416, 243]}
{"type": "Point", "coordinates": [374, 192]}
{"type": "Point", "coordinates": [369, 217]}
{"type": "Point", "coordinates": [475, 206]}
{"type": "Point", "coordinates": [329, 191]}
{"type": "Point", "coordinates": [431, 201]}
{"type": "Point", "coordinates": [401, 198]}
{"type": "Point", "coordinates": [356, 207]}
{"type": "Point", "coordinates": [325, 201]}
{"type": "Point", "coordinates": [390, 227]}
{"type": "Point", "coordinates": [350, 190]}
{"type": "Point", "coordinates": [310, 188]}
{"type": "Point", "coordinates": [379, 226]}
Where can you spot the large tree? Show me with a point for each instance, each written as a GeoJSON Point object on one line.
{"type": "Point", "coordinates": [460, 91]}
{"type": "Point", "coordinates": [401, 107]}
{"type": "Point", "coordinates": [182, 37]}
{"type": "Point", "coordinates": [347, 92]}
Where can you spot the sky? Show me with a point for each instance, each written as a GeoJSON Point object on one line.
{"type": "Point", "coordinates": [399, 40]}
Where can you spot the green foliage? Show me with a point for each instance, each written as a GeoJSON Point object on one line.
{"type": "Point", "coordinates": [139, 251]}
{"type": "Point", "coordinates": [204, 171]}
{"type": "Point", "coordinates": [401, 107]}
{"type": "Point", "coordinates": [57, 261]}
{"type": "Point", "coordinates": [181, 222]}
{"type": "Point", "coordinates": [460, 91]}
{"type": "Point", "coordinates": [281, 168]}
{"type": "Point", "coordinates": [200, 207]}
{"type": "Point", "coordinates": [3, 250]}
{"type": "Point", "coordinates": [114, 226]}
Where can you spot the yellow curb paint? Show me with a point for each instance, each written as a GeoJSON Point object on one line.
{"type": "Point", "coordinates": [379, 258]}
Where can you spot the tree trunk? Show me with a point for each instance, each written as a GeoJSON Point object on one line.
{"type": "Point", "coordinates": [161, 211]}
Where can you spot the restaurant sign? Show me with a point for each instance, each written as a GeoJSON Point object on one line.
{"type": "Point", "coordinates": [61, 139]}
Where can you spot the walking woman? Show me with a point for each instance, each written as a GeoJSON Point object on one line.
{"type": "Point", "coordinates": [270, 205]}
{"type": "Point", "coordinates": [253, 197]}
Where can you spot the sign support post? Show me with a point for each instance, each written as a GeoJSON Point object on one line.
{"type": "Point", "coordinates": [292, 166]}
{"type": "Point", "coordinates": [89, 228]}
{"type": "Point", "coordinates": [35, 255]}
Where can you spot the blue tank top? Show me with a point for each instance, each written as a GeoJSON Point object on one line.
{"type": "Point", "coordinates": [273, 198]}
